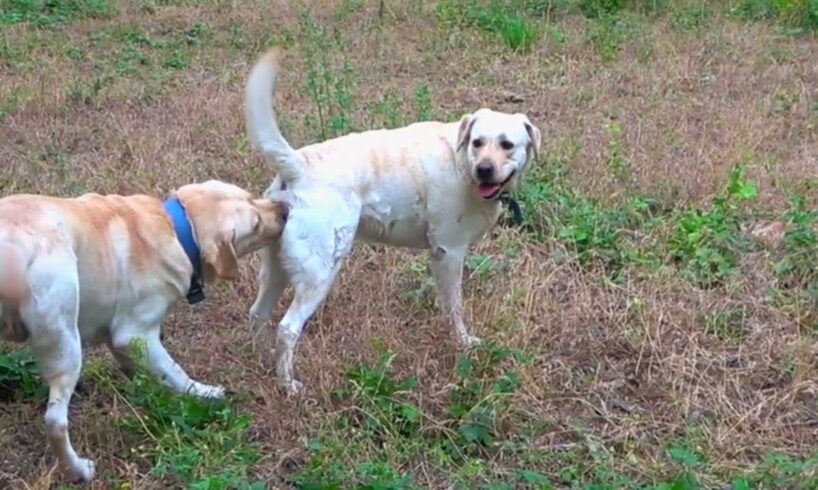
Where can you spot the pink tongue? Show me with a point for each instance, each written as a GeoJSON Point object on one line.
{"type": "Point", "coordinates": [487, 190]}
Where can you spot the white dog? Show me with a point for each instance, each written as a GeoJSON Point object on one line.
{"type": "Point", "coordinates": [430, 185]}
{"type": "Point", "coordinates": [106, 269]}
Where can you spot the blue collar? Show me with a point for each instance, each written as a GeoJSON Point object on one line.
{"type": "Point", "coordinates": [184, 233]}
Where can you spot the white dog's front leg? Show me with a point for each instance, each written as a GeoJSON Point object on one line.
{"type": "Point", "coordinates": [447, 268]}
{"type": "Point", "coordinates": [162, 365]}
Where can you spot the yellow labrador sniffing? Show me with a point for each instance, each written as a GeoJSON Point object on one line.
{"type": "Point", "coordinates": [106, 269]}
{"type": "Point", "coordinates": [432, 185]}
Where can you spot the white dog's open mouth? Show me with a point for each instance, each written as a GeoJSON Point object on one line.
{"type": "Point", "coordinates": [489, 191]}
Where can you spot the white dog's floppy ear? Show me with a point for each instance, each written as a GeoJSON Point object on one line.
{"type": "Point", "coordinates": [534, 136]}
{"type": "Point", "coordinates": [464, 132]}
{"type": "Point", "coordinates": [220, 260]}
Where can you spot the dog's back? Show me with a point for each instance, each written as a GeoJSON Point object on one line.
{"type": "Point", "coordinates": [114, 249]}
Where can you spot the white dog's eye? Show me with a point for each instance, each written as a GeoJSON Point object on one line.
{"type": "Point", "coordinates": [506, 145]}
{"type": "Point", "coordinates": [477, 143]}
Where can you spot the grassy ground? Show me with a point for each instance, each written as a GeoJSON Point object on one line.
{"type": "Point", "coordinates": [644, 330]}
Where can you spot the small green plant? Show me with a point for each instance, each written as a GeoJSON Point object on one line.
{"type": "Point", "coordinates": [481, 395]}
{"type": "Point", "coordinates": [591, 232]}
{"type": "Point", "coordinates": [608, 32]}
{"type": "Point", "coordinates": [708, 244]}
{"type": "Point", "coordinates": [380, 416]}
{"type": "Point", "coordinates": [594, 9]}
{"type": "Point", "coordinates": [11, 102]}
{"type": "Point", "coordinates": [177, 60]}
{"type": "Point", "coordinates": [381, 400]}
{"type": "Point", "coordinates": [420, 287]}
{"type": "Point", "coordinates": [619, 165]}
{"type": "Point", "coordinates": [326, 470]}
{"type": "Point", "coordinates": [519, 33]}
{"type": "Point", "coordinates": [482, 266]}
{"type": "Point", "coordinates": [794, 268]}
{"type": "Point", "coordinates": [388, 112]}
{"type": "Point", "coordinates": [82, 93]}
{"type": "Point", "coordinates": [423, 103]}
{"type": "Point", "coordinates": [19, 376]}
{"type": "Point", "coordinates": [755, 10]}
{"type": "Point", "coordinates": [793, 16]}
{"type": "Point", "coordinates": [691, 15]}
{"type": "Point", "coordinates": [784, 471]}
{"type": "Point", "coordinates": [729, 325]}
{"type": "Point", "coordinates": [799, 247]}
{"type": "Point", "coordinates": [603, 35]}
{"type": "Point", "coordinates": [330, 87]}
{"type": "Point", "coordinates": [151, 56]}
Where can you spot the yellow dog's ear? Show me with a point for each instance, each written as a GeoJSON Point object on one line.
{"type": "Point", "coordinates": [220, 260]}
{"type": "Point", "coordinates": [534, 136]}
{"type": "Point", "coordinates": [464, 132]}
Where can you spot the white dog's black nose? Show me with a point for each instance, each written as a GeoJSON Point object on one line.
{"type": "Point", "coordinates": [485, 171]}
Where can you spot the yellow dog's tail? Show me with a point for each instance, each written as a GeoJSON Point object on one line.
{"type": "Point", "coordinates": [261, 119]}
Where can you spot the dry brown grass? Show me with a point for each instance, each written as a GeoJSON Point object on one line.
{"type": "Point", "coordinates": [632, 362]}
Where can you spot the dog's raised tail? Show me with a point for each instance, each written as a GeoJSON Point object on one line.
{"type": "Point", "coordinates": [261, 119]}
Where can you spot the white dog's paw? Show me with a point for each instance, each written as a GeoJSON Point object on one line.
{"type": "Point", "coordinates": [82, 470]}
{"type": "Point", "coordinates": [470, 341]}
{"type": "Point", "coordinates": [207, 391]}
{"type": "Point", "coordinates": [292, 387]}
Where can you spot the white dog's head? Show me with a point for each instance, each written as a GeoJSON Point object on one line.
{"type": "Point", "coordinates": [497, 148]}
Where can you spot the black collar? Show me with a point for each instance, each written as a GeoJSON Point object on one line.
{"type": "Point", "coordinates": [514, 207]}
{"type": "Point", "coordinates": [184, 233]}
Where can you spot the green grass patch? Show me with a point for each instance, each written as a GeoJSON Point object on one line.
{"type": "Point", "coordinates": [793, 16]}
{"type": "Point", "coordinates": [187, 441]}
{"type": "Point", "coordinates": [53, 13]}
{"type": "Point", "coordinates": [594, 234]}
{"type": "Point", "coordinates": [383, 429]}
{"type": "Point", "coordinates": [514, 22]}
{"type": "Point", "coordinates": [383, 434]}
{"type": "Point", "coordinates": [329, 78]}
{"type": "Point", "coordinates": [707, 244]}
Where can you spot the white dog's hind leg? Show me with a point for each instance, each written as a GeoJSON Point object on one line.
{"type": "Point", "coordinates": [313, 255]}
{"type": "Point", "coordinates": [447, 268]}
{"type": "Point", "coordinates": [61, 388]}
{"type": "Point", "coordinates": [308, 297]}
{"type": "Point", "coordinates": [57, 347]}
{"type": "Point", "coordinates": [272, 280]}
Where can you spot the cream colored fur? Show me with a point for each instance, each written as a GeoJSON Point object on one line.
{"type": "Point", "coordinates": [107, 269]}
{"type": "Point", "coordinates": [429, 185]}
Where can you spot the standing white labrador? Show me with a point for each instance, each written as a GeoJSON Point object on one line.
{"type": "Point", "coordinates": [106, 269]}
{"type": "Point", "coordinates": [428, 185]}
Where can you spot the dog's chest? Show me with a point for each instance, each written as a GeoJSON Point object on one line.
{"type": "Point", "coordinates": [398, 220]}
{"type": "Point", "coordinates": [461, 226]}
